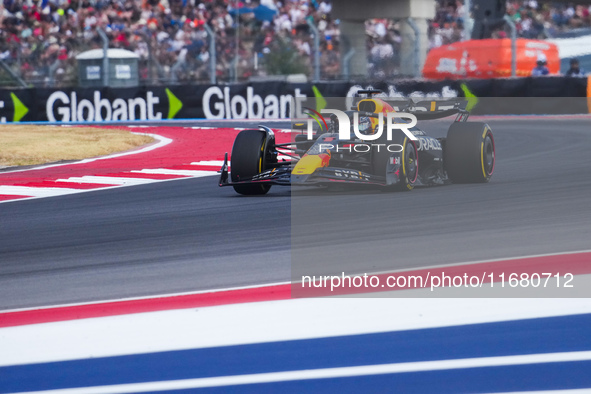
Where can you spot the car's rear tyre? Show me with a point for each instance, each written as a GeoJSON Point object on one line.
{"type": "Point", "coordinates": [249, 159]}
{"type": "Point", "coordinates": [469, 154]}
{"type": "Point", "coordinates": [384, 163]}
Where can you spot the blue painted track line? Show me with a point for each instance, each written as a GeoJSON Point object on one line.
{"type": "Point", "coordinates": [532, 336]}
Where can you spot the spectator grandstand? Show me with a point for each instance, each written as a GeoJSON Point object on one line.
{"type": "Point", "coordinates": [39, 39]}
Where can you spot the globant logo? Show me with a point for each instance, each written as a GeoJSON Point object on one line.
{"type": "Point", "coordinates": [70, 109]}
{"type": "Point", "coordinates": [219, 103]}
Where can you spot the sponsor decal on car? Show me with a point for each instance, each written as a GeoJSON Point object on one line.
{"type": "Point", "coordinates": [426, 143]}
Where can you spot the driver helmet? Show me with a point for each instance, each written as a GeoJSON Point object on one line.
{"type": "Point", "coordinates": [365, 126]}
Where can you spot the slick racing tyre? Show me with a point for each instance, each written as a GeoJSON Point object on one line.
{"type": "Point", "coordinates": [469, 154]}
{"type": "Point", "coordinates": [408, 160]}
{"type": "Point", "coordinates": [247, 160]}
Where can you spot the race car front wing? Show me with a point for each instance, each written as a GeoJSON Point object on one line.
{"type": "Point", "coordinates": [282, 175]}
{"type": "Point", "coordinates": [279, 175]}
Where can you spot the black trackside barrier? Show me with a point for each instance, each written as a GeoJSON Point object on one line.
{"type": "Point", "coordinates": [272, 99]}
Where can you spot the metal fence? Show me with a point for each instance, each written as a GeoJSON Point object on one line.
{"type": "Point", "coordinates": [202, 54]}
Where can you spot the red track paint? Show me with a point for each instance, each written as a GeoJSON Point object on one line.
{"type": "Point", "coordinates": [8, 198]}
{"type": "Point", "coordinates": [36, 316]}
{"type": "Point", "coordinates": [575, 263]}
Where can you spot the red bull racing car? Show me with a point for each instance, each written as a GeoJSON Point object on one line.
{"type": "Point", "coordinates": [366, 154]}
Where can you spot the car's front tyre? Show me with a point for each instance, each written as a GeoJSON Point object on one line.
{"type": "Point", "coordinates": [249, 159]}
{"type": "Point", "coordinates": [401, 169]}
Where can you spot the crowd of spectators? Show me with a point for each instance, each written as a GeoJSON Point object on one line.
{"type": "Point", "coordinates": [39, 39]}
{"type": "Point", "coordinates": [534, 19]}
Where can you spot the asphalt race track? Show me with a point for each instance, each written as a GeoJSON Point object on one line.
{"type": "Point", "coordinates": [537, 202]}
{"type": "Point", "coordinates": [188, 235]}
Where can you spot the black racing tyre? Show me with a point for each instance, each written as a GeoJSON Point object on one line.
{"type": "Point", "coordinates": [409, 169]}
{"type": "Point", "coordinates": [247, 160]}
{"type": "Point", "coordinates": [469, 154]}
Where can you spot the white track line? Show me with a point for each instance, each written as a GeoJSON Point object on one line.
{"type": "Point", "coordinates": [108, 180]}
{"type": "Point", "coordinates": [328, 373]}
{"type": "Point", "coordinates": [272, 284]}
{"type": "Point", "coordinates": [221, 162]}
{"type": "Point", "coordinates": [167, 295]}
{"type": "Point", "coordinates": [35, 191]}
{"type": "Point", "coordinates": [107, 187]}
{"type": "Point", "coordinates": [208, 163]}
{"type": "Point", "coordinates": [449, 265]}
{"type": "Point", "coordinates": [165, 171]}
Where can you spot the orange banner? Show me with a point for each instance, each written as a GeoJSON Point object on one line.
{"type": "Point", "coordinates": [489, 58]}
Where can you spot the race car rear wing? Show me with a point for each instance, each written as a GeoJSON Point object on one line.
{"type": "Point", "coordinates": [424, 109]}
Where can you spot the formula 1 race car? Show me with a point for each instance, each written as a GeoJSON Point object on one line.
{"type": "Point", "coordinates": [392, 160]}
